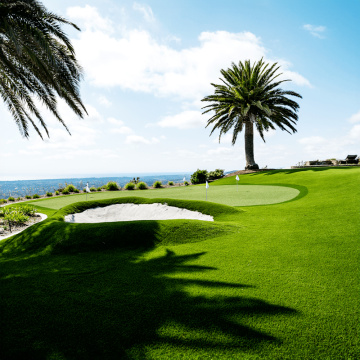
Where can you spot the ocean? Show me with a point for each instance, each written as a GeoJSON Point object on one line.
{"type": "Point", "coordinates": [20, 188]}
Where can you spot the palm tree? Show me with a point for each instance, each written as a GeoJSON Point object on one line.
{"type": "Point", "coordinates": [250, 96]}
{"type": "Point", "coordinates": [37, 62]}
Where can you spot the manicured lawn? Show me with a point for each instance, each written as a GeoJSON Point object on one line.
{"type": "Point", "coordinates": [276, 281]}
{"type": "Point", "coordinates": [239, 195]}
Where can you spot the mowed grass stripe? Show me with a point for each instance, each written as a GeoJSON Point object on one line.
{"type": "Point", "coordinates": [238, 195]}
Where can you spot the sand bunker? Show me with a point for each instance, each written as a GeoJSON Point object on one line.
{"type": "Point", "coordinates": [131, 212]}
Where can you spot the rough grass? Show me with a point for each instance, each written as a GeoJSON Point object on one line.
{"type": "Point", "coordinates": [269, 282]}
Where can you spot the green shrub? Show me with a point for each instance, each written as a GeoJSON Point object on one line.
{"type": "Point", "coordinates": [186, 183]}
{"type": "Point", "coordinates": [112, 185]}
{"type": "Point", "coordinates": [57, 192]}
{"type": "Point", "coordinates": [216, 174]}
{"type": "Point", "coordinates": [199, 176]}
{"type": "Point", "coordinates": [27, 197]}
{"type": "Point", "coordinates": [104, 187]}
{"type": "Point", "coordinates": [76, 190]}
{"type": "Point", "coordinates": [19, 198]}
{"type": "Point", "coordinates": [27, 210]}
{"type": "Point", "coordinates": [98, 189]}
{"type": "Point", "coordinates": [142, 185]}
{"type": "Point", "coordinates": [157, 184]}
{"type": "Point", "coordinates": [35, 196]}
{"type": "Point", "coordinates": [49, 194]}
{"type": "Point", "coordinates": [130, 186]}
{"type": "Point", "coordinates": [10, 198]}
{"type": "Point", "coordinates": [93, 189]}
{"type": "Point", "coordinates": [171, 183]}
{"type": "Point", "coordinates": [69, 188]}
{"type": "Point", "coordinates": [65, 192]}
{"type": "Point", "coordinates": [3, 201]}
{"type": "Point", "coordinates": [13, 216]}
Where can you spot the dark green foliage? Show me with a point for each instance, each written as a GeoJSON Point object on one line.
{"type": "Point", "coordinates": [98, 188]}
{"type": "Point", "coordinates": [65, 192]}
{"type": "Point", "coordinates": [57, 192]}
{"type": "Point", "coordinates": [199, 177]}
{"type": "Point", "coordinates": [27, 210]}
{"type": "Point", "coordinates": [186, 183]}
{"type": "Point", "coordinates": [35, 196]}
{"type": "Point", "coordinates": [76, 191]}
{"type": "Point", "coordinates": [216, 174]}
{"type": "Point", "coordinates": [69, 189]}
{"type": "Point", "coordinates": [49, 194]}
{"type": "Point", "coordinates": [171, 183]}
{"type": "Point", "coordinates": [10, 198]}
{"type": "Point", "coordinates": [130, 186]}
{"type": "Point", "coordinates": [16, 215]}
{"type": "Point", "coordinates": [37, 61]}
{"type": "Point", "coordinates": [3, 201]}
{"type": "Point", "coordinates": [18, 199]}
{"type": "Point", "coordinates": [142, 186]}
{"type": "Point", "coordinates": [93, 189]}
{"type": "Point", "coordinates": [157, 184]}
{"type": "Point", "coordinates": [112, 186]}
{"type": "Point", "coordinates": [27, 197]}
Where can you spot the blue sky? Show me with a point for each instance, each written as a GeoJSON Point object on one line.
{"type": "Point", "coordinates": [148, 64]}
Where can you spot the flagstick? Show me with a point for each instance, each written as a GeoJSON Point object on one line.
{"type": "Point", "coordinates": [206, 194]}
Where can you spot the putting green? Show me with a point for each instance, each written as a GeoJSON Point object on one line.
{"type": "Point", "coordinates": [232, 195]}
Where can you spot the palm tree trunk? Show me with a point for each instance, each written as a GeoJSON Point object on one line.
{"type": "Point", "coordinates": [249, 147]}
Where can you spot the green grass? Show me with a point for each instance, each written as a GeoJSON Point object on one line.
{"type": "Point", "coordinates": [276, 281]}
{"type": "Point", "coordinates": [241, 195]}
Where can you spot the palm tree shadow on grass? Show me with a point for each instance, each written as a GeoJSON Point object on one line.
{"type": "Point", "coordinates": [113, 305]}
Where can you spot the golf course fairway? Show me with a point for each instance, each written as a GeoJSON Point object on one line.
{"type": "Point", "coordinates": [276, 281]}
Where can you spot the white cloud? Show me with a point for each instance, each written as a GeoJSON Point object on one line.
{"type": "Point", "coordinates": [318, 147]}
{"type": "Point", "coordinates": [136, 61]}
{"type": "Point", "coordinates": [114, 121]}
{"type": "Point", "coordinates": [123, 130]}
{"type": "Point", "coordinates": [137, 139]}
{"type": "Point", "coordinates": [184, 120]}
{"type": "Point", "coordinates": [90, 19]}
{"type": "Point", "coordinates": [220, 151]}
{"type": "Point", "coordinates": [104, 101]}
{"type": "Point", "coordinates": [315, 30]}
{"type": "Point", "coordinates": [355, 118]}
{"type": "Point", "coordinates": [145, 11]}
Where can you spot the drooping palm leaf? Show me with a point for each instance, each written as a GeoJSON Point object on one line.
{"type": "Point", "coordinates": [37, 61]}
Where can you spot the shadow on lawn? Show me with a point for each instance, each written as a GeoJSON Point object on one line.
{"type": "Point", "coordinates": [115, 304]}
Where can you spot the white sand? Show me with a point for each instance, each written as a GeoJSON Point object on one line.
{"type": "Point", "coordinates": [131, 212]}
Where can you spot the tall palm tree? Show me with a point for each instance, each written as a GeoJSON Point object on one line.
{"type": "Point", "coordinates": [37, 61]}
{"type": "Point", "coordinates": [250, 96]}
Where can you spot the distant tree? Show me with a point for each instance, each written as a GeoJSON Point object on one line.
{"type": "Point", "coordinates": [250, 96]}
{"type": "Point", "coordinates": [37, 61]}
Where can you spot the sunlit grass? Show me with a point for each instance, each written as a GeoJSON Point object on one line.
{"type": "Point", "coordinates": [275, 281]}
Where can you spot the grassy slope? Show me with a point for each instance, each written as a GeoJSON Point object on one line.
{"type": "Point", "coordinates": [278, 282]}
